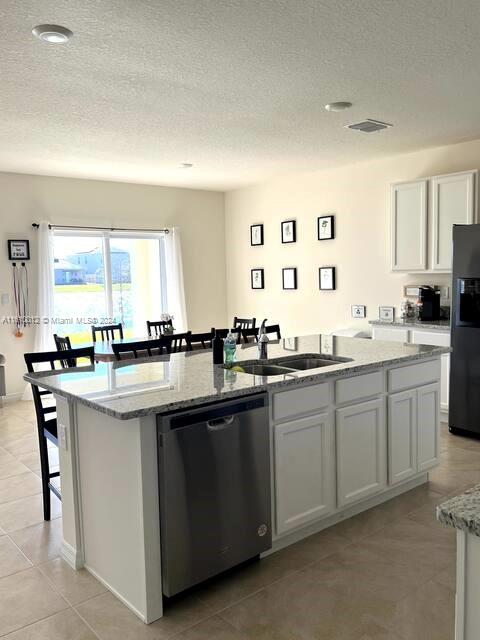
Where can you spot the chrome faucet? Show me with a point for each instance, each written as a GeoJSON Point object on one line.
{"type": "Point", "coordinates": [262, 342]}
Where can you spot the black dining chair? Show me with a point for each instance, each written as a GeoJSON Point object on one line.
{"type": "Point", "coordinates": [224, 332]}
{"type": "Point", "coordinates": [63, 344]}
{"type": "Point", "coordinates": [157, 327]}
{"type": "Point", "coordinates": [244, 323]}
{"type": "Point", "coordinates": [140, 348]}
{"type": "Point", "coordinates": [46, 412]}
{"type": "Point", "coordinates": [107, 332]}
{"type": "Point", "coordinates": [274, 328]}
{"type": "Point", "coordinates": [200, 340]}
{"type": "Point", "coordinates": [177, 341]}
{"type": "Point", "coordinates": [251, 335]}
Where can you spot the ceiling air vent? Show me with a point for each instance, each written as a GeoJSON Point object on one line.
{"type": "Point", "coordinates": [369, 126]}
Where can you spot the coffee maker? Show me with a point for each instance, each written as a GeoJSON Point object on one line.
{"type": "Point", "coordinates": [428, 303]}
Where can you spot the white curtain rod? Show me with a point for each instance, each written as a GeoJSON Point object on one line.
{"type": "Point", "coordinates": [62, 226]}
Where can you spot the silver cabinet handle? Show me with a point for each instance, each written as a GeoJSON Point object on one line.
{"type": "Point", "coordinates": [220, 423]}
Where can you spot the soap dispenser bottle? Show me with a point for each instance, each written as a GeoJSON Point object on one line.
{"type": "Point", "coordinates": [230, 348]}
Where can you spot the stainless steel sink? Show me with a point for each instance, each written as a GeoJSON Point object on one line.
{"type": "Point", "coordinates": [265, 369]}
{"type": "Point", "coordinates": [302, 364]}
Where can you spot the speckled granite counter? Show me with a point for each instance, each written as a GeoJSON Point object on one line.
{"type": "Point", "coordinates": [132, 389]}
{"type": "Point", "coordinates": [438, 325]}
{"type": "Point", "coordinates": [462, 512]}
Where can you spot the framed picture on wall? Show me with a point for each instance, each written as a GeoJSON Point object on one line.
{"type": "Point", "coordinates": [326, 227]}
{"type": "Point", "coordinates": [289, 278]}
{"type": "Point", "coordinates": [256, 235]}
{"type": "Point", "coordinates": [257, 279]}
{"type": "Point", "coordinates": [386, 314]}
{"type": "Point", "coordinates": [289, 231]}
{"type": "Point", "coordinates": [359, 311]}
{"type": "Point", "coordinates": [18, 250]}
{"type": "Point", "coordinates": [326, 278]}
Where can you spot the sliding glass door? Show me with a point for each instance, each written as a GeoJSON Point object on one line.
{"type": "Point", "coordinates": [107, 277]}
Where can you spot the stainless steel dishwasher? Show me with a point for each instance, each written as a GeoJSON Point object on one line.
{"type": "Point", "coordinates": [214, 481]}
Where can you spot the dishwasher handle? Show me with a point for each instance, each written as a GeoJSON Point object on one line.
{"type": "Point", "coordinates": [218, 424]}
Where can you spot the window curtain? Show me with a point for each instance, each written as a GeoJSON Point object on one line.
{"type": "Point", "coordinates": [44, 304]}
{"type": "Point", "coordinates": [174, 277]}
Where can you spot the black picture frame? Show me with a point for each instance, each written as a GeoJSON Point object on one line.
{"type": "Point", "coordinates": [331, 219]}
{"type": "Point", "coordinates": [294, 273]}
{"type": "Point", "coordinates": [332, 271]}
{"type": "Point", "coordinates": [294, 231]}
{"type": "Point", "coordinates": [15, 250]}
{"type": "Point", "coordinates": [262, 279]}
{"type": "Point", "coordinates": [252, 227]}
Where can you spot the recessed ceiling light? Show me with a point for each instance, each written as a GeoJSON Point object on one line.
{"type": "Point", "coordinates": [52, 33]}
{"type": "Point", "coordinates": [186, 165]}
{"type": "Point", "coordinates": [338, 106]}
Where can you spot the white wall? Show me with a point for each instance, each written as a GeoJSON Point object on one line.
{"type": "Point", "coordinates": [200, 214]}
{"type": "Point", "coordinates": [358, 195]}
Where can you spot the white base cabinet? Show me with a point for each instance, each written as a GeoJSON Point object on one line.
{"type": "Point", "coordinates": [413, 432]}
{"type": "Point", "coordinates": [361, 455]}
{"type": "Point", "coordinates": [304, 471]}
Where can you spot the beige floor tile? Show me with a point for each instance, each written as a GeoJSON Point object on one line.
{"type": "Point", "coordinates": [32, 460]}
{"type": "Point", "coordinates": [74, 586]}
{"type": "Point", "coordinates": [111, 620]}
{"type": "Point", "coordinates": [20, 486]}
{"type": "Point", "coordinates": [22, 445]}
{"type": "Point", "coordinates": [12, 432]}
{"type": "Point", "coordinates": [66, 625]}
{"type": "Point", "coordinates": [11, 559]}
{"type": "Point", "coordinates": [26, 597]}
{"type": "Point", "coordinates": [211, 629]}
{"type": "Point", "coordinates": [427, 613]}
{"type": "Point", "coordinates": [10, 466]}
{"type": "Point", "coordinates": [25, 512]}
{"type": "Point", "coordinates": [41, 542]}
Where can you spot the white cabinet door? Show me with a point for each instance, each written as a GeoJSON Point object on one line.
{"type": "Point", "coordinates": [361, 451]}
{"type": "Point", "coordinates": [409, 226]}
{"type": "Point", "coordinates": [402, 436]}
{"type": "Point", "coordinates": [304, 471]}
{"type": "Point", "coordinates": [445, 382]}
{"type": "Point", "coordinates": [428, 426]}
{"type": "Point", "coordinates": [453, 202]}
{"type": "Point", "coordinates": [441, 339]}
{"type": "Point", "coordinates": [390, 334]}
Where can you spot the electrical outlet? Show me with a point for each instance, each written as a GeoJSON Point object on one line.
{"type": "Point", "coordinates": [62, 437]}
{"type": "Point", "coordinates": [445, 292]}
{"type": "Point", "coordinates": [359, 311]}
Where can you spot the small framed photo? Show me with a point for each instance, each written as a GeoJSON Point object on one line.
{"type": "Point", "coordinates": [386, 314]}
{"type": "Point", "coordinates": [18, 250]}
{"type": "Point", "coordinates": [326, 277]}
{"type": "Point", "coordinates": [257, 279]}
{"type": "Point", "coordinates": [289, 278]}
{"type": "Point", "coordinates": [359, 311]}
{"type": "Point", "coordinates": [256, 235]}
{"type": "Point", "coordinates": [289, 231]}
{"type": "Point", "coordinates": [326, 227]}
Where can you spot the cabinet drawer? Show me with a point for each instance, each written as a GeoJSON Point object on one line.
{"type": "Point", "coordinates": [413, 375]}
{"type": "Point", "coordinates": [358, 387]}
{"type": "Point", "coordinates": [300, 401]}
{"type": "Point", "coordinates": [435, 338]}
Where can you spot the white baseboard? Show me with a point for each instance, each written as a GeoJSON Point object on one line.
{"type": "Point", "coordinates": [72, 556]}
{"type": "Point", "coordinates": [11, 397]}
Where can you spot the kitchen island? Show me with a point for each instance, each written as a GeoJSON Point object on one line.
{"type": "Point", "coordinates": [345, 436]}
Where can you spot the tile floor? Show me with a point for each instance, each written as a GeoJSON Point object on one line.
{"type": "Point", "coordinates": [387, 574]}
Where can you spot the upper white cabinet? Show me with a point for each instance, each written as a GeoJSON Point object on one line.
{"type": "Point", "coordinates": [423, 213]}
{"type": "Point", "coordinates": [453, 202]}
{"type": "Point", "coordinates": [409, 226]}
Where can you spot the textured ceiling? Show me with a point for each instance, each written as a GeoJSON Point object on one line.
{"type": "Point", "coordinates": [236, 87]}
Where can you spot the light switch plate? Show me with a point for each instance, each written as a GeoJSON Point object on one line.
{"type": "Point", "coordinates": [62, 437]}
{"type": "Point", "coordinates": [359, 311]}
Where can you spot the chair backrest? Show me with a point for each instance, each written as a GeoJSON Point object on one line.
{"type": "Point", "coordinates": [157, 327]}
{"type": "Point", "coordinates": [250, 335]}
{"type": "Point", "coordinates": [52, 358]}
{"type": "Point", "coordinates": [224, 332]}
{"type": "Point", "coordinates": [244, 323]}
{"type": "Point", "coordinates": [140, 348]}
{"type": "Point", "coordinates": [64, 344]}
{"type": "Point", "coordinates": [274, 328]}
{"type": "Point", "coordinates": [203, 339]}
{"type": "Point", "coordinates": [107, 331]}
{"type": "Point", "coordinates": [176, 342]}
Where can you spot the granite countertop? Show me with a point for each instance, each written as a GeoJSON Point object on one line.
{"type": "Point", "coordinates": [462, 512]}
{"type": "Point", "coordinates": [439, 325]}
{"type": "Point", "coordinates": [135, 388]}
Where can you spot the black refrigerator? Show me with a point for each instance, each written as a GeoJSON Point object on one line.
{"type": "Point", "coordinates": [464, 401]}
